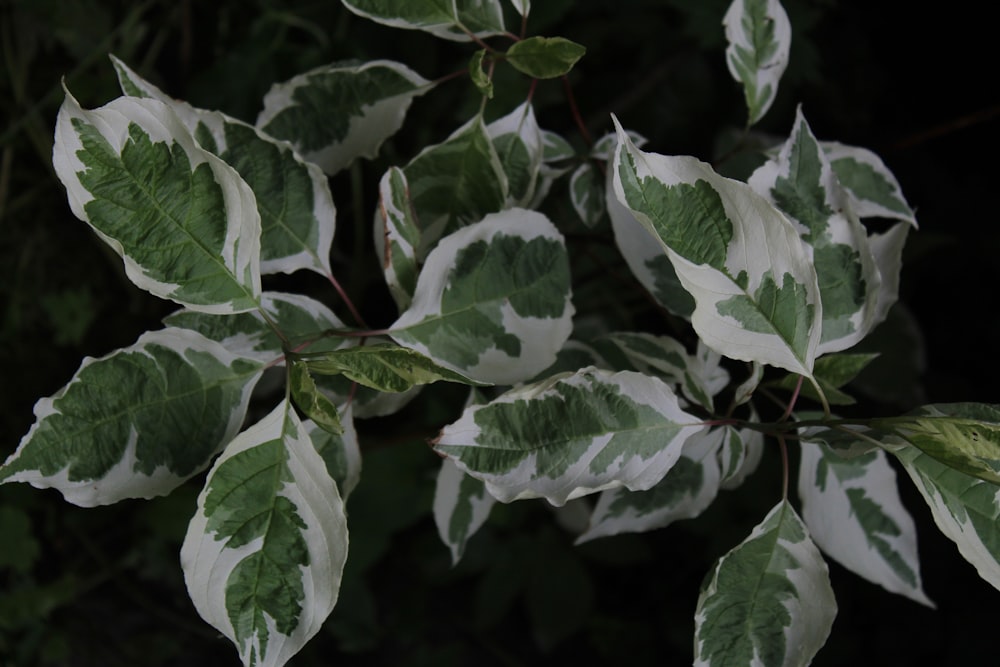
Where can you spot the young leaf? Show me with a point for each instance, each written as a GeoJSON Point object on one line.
{"type": "Point", "coordinates": [545, 57]}
{"type": "Point", "coordinates": [571, 435]}
{"type": "Point", "coordinates": [336, 113]}
{"type": "Point", "coordinates": [313, 403]}
{"type": "Point", "coordinates": [854, 513]}
{"type": "Point", "coordinates": [397, 236]}
{"type": "Point", "coordinates": [760, 39]}
{"type": "Point", "coordinates": [293, 197]}
{"type": "Point", "coordinates": [384, 367]}
{"type": "Point", "coordinates": [184, 222]}
{"type": "Point", "coordinates": [264, 553]}
{"type": "Point", "coordinates": [586, 192]}
{"type": "Point", "coordinates": [481, 80]}
{"type": "Point", "coordinates": [137, 422]}
{"type": "Point", "coordinates": [340, 452]}
{"type": "Point", "coordinates": [754, 285]}
{"type": "Point", "coordinates": [518, 143]}
{"type": "Point", "coordinates": [493, 299]}
{"type": "Point", "coordinates": [739, 455]}
{"type": "Point", "coordinates": [457, 20]}
{"type": "Point", "coordinates": [461, 507]}
{"type": "Point", "coordinates": [966, 509]}
{"type": "Point", "coordinates": [768, 601]}
{"type": "Point", "coordinates": [832, 372]}
{"type": "Point", "coordinates": [873, 189]}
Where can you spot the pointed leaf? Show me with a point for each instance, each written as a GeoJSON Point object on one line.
{"type": "Point", "coordinates": [873, 189]}
{"type": "Point", "coordinates": [545, 57]}
{"type": "Point", "coordinates": [760, 39]}
{"type": "Point", "coordinates": [739, 455]}
{"type": "Point", "coordinates": [340, 452]}
{"type": "Point", "coordinates": [138, 422]}
{"type": "Point", "coordinates": [768, 601]}
{"type": "Point", "coordinates": [832, 372]}
{"type": "Point", "coordinates": [518, 143]}
{"type": "Point", "coordinates": [522, 6]}
{"type": "Point", "coordinates": [586, 192]}
{"type": "Point", "coordinates": [442, 18]}
{"type": "Point", "coordinates": [184, 222]}
{"type": "Point", "coordinates": [888, 251]}
{"type": "Point", "coordinates": [493, 299]}
{"type": "Point", "coordinates": [397, 237]}
{"type": "Point", "coordinates": [571, 435]}
{"type": "Point", "coordinates": [336, 113]}
{"type": "Point", "coordinates": [555, 148]}
{"type": "Point", "coordinates": [754, 285]}
{"type": "Point", "coordinates": [264, 553]}
{"type": "Point", "coordinates": [461, 507]}
{"type": "Point", "coordinates": [481, 80]}
{"type": "Point", "coordinates": [313, 403]}
{"type": "Point", "coordinates": [744, 392]}
{"type": "Point", "coordinates": [854, 513]}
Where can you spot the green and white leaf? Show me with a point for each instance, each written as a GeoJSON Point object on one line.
{"type": "Point", "coordinates": [555, 148]}
{"type": "Point", "coordinates": [768, 601]}
{"type": "Point", "coordinates": [739, 455]}
{"type": "Point", "coordinates": [854, 514]}
{"type": "Point", "coordinates": [571, 435]}
{"type": "Point", "coordinates": [574, 356]}
{"type": "Point", "coordinates": [873, 189]}
{"type": "Point", "coordinates": [293, 197]}
{"type": "Point", "coordinates": [442, 18]}
{"type": "Point", "coordinates": [138, 422]}
{"type": "Point", "coordinates": [888, 251]}
{"type": "Point", "coordinates": [480, 79]}
{"type": "Point", "coordinates": [183, 221]}
{"type": "Point", "coordinates": [685, 491]}
{"type": "Point", "coordinates": [522, 6]}
{"type": "Point", "coordinates": [313, 403]}
{"type": "Point", "coordinates": [802, 184]}
{"type": "Point", "coordinates": [264, 553]}
{"type": "Point", "coordinates": [341, 453]}
{"type": "Point", "coordinates": [544, 57]}
{"type": "Point", "coordinates": [755, 289]}
{"type": "Point", "coordinates": [744, 392]}
{"type": "Point", "coordinates": [586, 193]}
{"type": "Point", "coordinates": [759, 37]}
{"type": "Point", "coordinates": [493, 299]}
{"type": "Point", "coordinates": [966, 509]}
{"type": "Point", "coordinates": [461, 506]}
{"type": "Point", "coordinates": [517, 140]}
{"type": "Point", "coordinates": [831, 372]}
{"type": "Point", "coordinates": [604, 148]}
{"type": "Point", "coordinates": [397, 236]}
{"type": "Point", "coordinates": [336, 113]}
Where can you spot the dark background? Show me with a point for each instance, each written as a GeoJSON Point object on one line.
{"type": "Point", "coordinates": [103, 586]}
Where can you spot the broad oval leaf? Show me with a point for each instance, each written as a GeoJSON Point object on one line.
{"type": "Point", "coordinates": [264, 553]}
{"type": "Point", "coordinates": [760, 39]}
{"type": "Point", "coordinates": [336, 113]}
{"type": "Point", "coordinates": [138, 422]}
{"type": "Point", "coordinates": [571, 435]}
{"type": "Point", "coordinates": [754, 285]}
{"type": "Point", "coordinates": [461, 506]}
{"type": "Point", "coordinates": [493, 299]}
{"type": "Point", "coordinates": [184, 222]}
{"type": "Point", "coordinates": [768, 601]}
{"type": "Point", "coordinates": [854, 513]}
{"type": "Point", "coordinates": [544, 57]}
{"type": "Point", "coordinates": [457, 20]}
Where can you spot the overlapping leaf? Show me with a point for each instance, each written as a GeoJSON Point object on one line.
{"type": "Point", "coordinates": [137, 422]}
{"type": "Point", "coordinates": [571, 435]}
{"type": "Point", "coordinates": [397, 236]}
{"type": "Point", "coordinates": [768, 601]}
{"type": "Point", "coordinates": [461, 507]}
{"type": "Point", "coordinates": [739, 455]}
{"type": "Point", "coordinates": [336, 113]}
{"type": "Point", "coordinates": [760, 39]}
{"type": "Point", "coordinates": [184, 222]}
{"type": "Point", "coordinates": [457, 20]}
{"type": "Point", "coordinates": [517, 140]}
{"type": "Point", "coordinates": [340, 452]}
{"type": "Point", "coordinates": [873, 189]}
{"type": "Point", "coordinates": [264, 553]}
{"type": "Point", "coordinates": [493, 299]}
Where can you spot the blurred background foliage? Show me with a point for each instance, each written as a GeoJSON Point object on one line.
{"type": "Point", "coordinates": [103, 586]}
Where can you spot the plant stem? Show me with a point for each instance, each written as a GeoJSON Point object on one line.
{"type": "Point", "coordinates": [784, 466]}
{"type": "Point", "coordinates": [571, 100]}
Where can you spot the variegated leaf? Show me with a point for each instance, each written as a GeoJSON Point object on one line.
{"type": "Point", "coordinates": [336, 113]}
{"type": "Point", "coordinates": [571, 435]}
{"type": "Point", "coordinates": [461, 507]}
{"type": "Point", "coordinates": [739, 455]}
{"type": "Point", "coordinates": [744, 392]}
{"type": "Point", "coordinates": [264, 553]}
{"type": "Point", "coordinates": [340, 452]}
{"type": "Point", "coordinates": [184, 222]}
{"type": "Point", "coordinates": [586, 193]}
{"type": "Point", "coordinates": [517, 140]}
{"type": "Point", "coordinates": [397, 237]}
{"type": "Point", "coordinates": [873, 189]}
{"type": "Point", "coordinates": [522, 6]}
{"type": "Point", "coordinates": [457, 20]}
{"type": "Point", "coordinates": [831, 372]}
{"type": "Point", "coordinates": [493, 299]}
{"type": "Point", "coordinates": [755, 289]}
{"type": "Point", "coordinates": [313, 403]}
{"type": "Point", "coordinates": [760, 38]}
{"type": "Point", "coordinates": [138, 422]}
{"type": "Point", "coordinates": [768, 601]}
{"type": "Point", "coordinates": [854, 514]}
{"type": "Point", "coordinates": [544, 57]}
{"type": "Point", "coordinates": [293, 197]}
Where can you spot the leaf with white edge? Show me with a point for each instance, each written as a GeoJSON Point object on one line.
{"type": "Point", "coordinates": [966, 509]}
{"type": "Point", "coordinates": [397, 236]}
{"type": "Point", "coordinates": [336, 113]}
{"type": "Point", "coordinates": [138, 422]}
{"type": "Point", "coordinates": [544, 57]}
{"type": "Point", "coordinates": [183, 221]}
{"type": "Point", "coordinates": [685, 491]}
{"type": "Point", "coordinates": [888, 251]}
{"type": "Point", "coordinates": [752, 278]}
{"type": "Point", "coordinates": [456, 183]}
{"type": "Point", "coordinates": [461, 506]}
{"type": "Point", "coordinates": [832, 372]}
{"type": "Point", "coordinates": [964, 436]}
{"type": "Point", "coordinates": [555, 148]}
{"type": "Point", "coordinates": [522, 6]}
{"type": "Point", "coordinates": [802, 184]}
{"type": "Point", "coordinates": [518, 143]}
{"type": "Point", "coordinates": [442, 18]}
{"type": "Point", "coordinates": [293, 197]}
{"type": "Point", "coordinates": [384, 367]}
{"type": "Point", "coordinates": [480, 79]}
{"type": "Point", "coordinates": [341, 453]}
{"type": "Point", "coordinates": [265, 550]}
{"type": "Point", "coordinates": [744, 392]}
{"type": "Point", "coordinates": [604, 148]}
{"type": "Point", "coordinates": [573, 356]}
{"type": "Point", "coordinates": [493, 299]}
{"type": "Point", "coordinates": [854, 514]}
{"type": "Point", "coordinates": [760, 39]}
{"type": "Point", "coordinates": [586, 192]}
{"type": "Point", "coordinates": [310, 400]}
{"type": "Point", "coordinates": [739, 455]}
{"type": "Point", "coordinates": [571, 435]}
{"type": "Point", "coordinates": [873, 189]}
{"type": "Point", "coordinates": [768, 601]}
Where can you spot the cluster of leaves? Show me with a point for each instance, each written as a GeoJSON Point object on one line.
{"type": "Point", "coordinates": [776, 271]}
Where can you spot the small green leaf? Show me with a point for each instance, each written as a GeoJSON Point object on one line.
{"type": "Point", "coordinates": [545, 57]}
{"type": "Point", "coordinates": [832, 371]}
{"type": "Point", "coordinates": [310, 400]}
{"type": "Point", "coordinates": [479, 77]}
